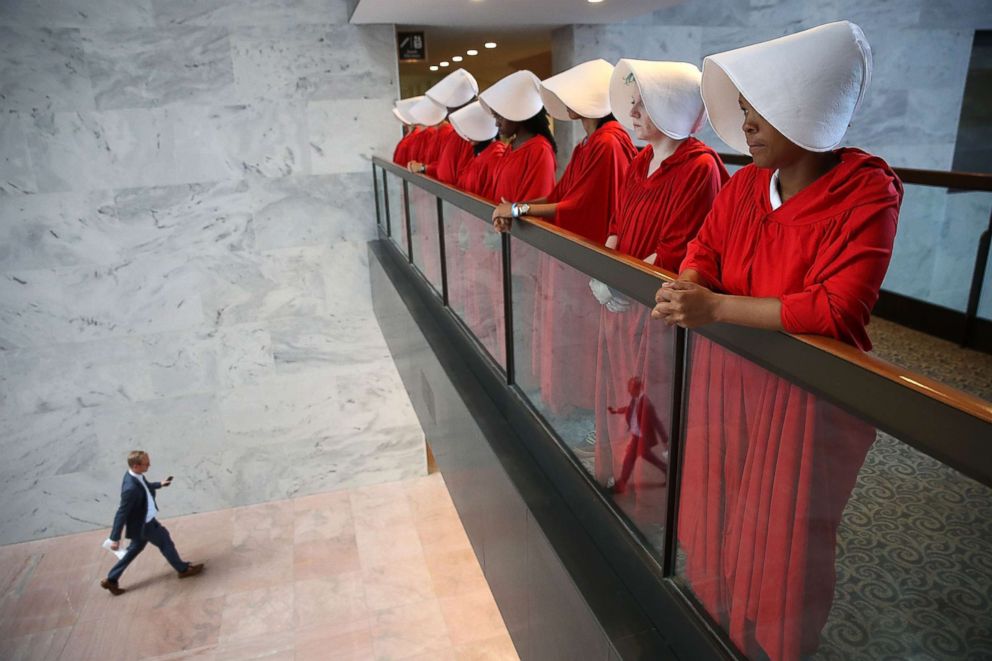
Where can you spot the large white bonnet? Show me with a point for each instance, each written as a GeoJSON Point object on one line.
{"type": "Point", "coordinates": [428, 112]}
{"type": "Point", "coordinates": [585, 88]}
{"type": "Point", "coordinates": [402, 109]}
{"type": "Point", "coordinates": [454, 90]}
{"type": "Point", "coordinates": [807, 85]}
{"type": "Point", "coordinates": [516, 97]}
{"type": "Point", "coordinates": [473, 123]}
{"type": "Point", "coordinates": [669, 90]}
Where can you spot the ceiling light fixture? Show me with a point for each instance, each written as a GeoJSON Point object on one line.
{"type": "Point", "coordinates": [471, 51]}
{"type": "Point", "coordinates": [434, 67]}
{"type": "Point", "coordinates": [490, 44]}
{"type": "Point", "coordinates": [456, 58]}
{"type": "Point", "coordinates": [595, 2]}
{"type": "Point", "coordinates": [445, 63]}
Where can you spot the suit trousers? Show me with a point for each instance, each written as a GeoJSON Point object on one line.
{"type": "Point", "coordinates": [158, 535]}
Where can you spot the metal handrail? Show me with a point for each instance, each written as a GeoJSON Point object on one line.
{"type": "Point", "coordinates": [941, 421]}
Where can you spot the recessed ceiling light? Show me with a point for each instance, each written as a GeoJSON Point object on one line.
{"type": "Point", "coordinates": [456, 58]}
{"type": "Point", "coordinates": [595, 1]}
{"type": "Point", "coordinates": [444, 64]}
{"type": "Point", "coordinates": [490, 44]}
{"type": "Point", "coordinates": [434, 67]}
{"type": "Point", "coordinates": [471, 51]}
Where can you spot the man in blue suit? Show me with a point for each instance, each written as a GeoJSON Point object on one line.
{"type": "Point", "coordinates": [137, 517]}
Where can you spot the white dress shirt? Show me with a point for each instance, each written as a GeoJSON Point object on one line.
{"type": "Point", "coordinates": [152, 510]}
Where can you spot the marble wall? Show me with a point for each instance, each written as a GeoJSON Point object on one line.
{"type": "Point", "coordinates": [185, 189]}
{"type": "Point", "coordinates": [910, 116]}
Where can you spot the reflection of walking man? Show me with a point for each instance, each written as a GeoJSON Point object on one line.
{"type": "Point", "coordinates": [645, 432]}
{"type": "Point", "coordinates": [136, 515]}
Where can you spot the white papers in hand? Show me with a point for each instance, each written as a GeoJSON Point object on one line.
{"type": "Point", "coordinates": [119, 552]}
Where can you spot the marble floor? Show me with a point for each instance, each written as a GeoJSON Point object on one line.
{"type": "Point", "coordinates": [372, 572]}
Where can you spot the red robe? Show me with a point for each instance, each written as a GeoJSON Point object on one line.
{"type": "Point", "coordinates": [481, 264]}
{"type": "Point", "coordinates": [479, 175]}
{"type": "Point", "coordinates": [768, 467]}
{"type": "Point", "coordinates": [526, 172]}
{"type": "Point", "coordinates": [568, 314]}
{"type": "Point", "coordinates": [657, 214]}
{"type": "Point", "coordinates": [402, 150]}
{"type": "Point", "coordinates": [423, 209]}
{"type": "Point", "coordinates": [455, 154]}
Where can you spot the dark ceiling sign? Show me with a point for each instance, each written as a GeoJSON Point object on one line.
{"type": "Point", "coordinates": [411, 46]}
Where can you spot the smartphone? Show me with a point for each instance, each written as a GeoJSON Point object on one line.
{"type": "Point", "coordinates": [168, 479]}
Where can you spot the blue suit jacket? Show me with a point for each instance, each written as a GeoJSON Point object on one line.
{"type": "Point", "coordinates": [133, 508]}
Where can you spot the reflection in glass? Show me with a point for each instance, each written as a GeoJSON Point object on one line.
{"type": "Point", "coordinates": [423, 228]}
{"type": "Point", "coordinates": [397, 215]}
{"type": "Point", "coordinates": [475, 278]}
{"type": "Point", "coordinates": [766, 473]}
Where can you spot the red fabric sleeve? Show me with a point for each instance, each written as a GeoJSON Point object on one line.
{"type": "Point", "coordinates": [586, 206]}
{"type": "Point", "coordinates": [703, 252]}
{"type": "Point", "coordinates": [846, 276]}
{"type": "Point", "coordinates": [697, 194]}
{"type": "Point", "coordinates": [539, 175]}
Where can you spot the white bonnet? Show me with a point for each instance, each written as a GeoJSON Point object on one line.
{"type": "Point", "coordinates": [807, 85]}
{"type": "Point", "coordinates": [428, 112]}
{"type": "Point", "coordinates": [669, 90]}
{"type": "Point", "coordinates": [516, 97]}
{"type": "Point", "coordinates": [585, 88]}
{"type": "Point", "coordinates": [454, 90]}
{"type": "Point", "coordinates": [401, 109]}
{"type": "Point", "coordinates": [473, 123]}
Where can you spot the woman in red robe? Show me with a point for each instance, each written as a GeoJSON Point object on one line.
{"type": "Point", "coordinates": [669, 188]}
{"type": "Point", "coordinates": [410, 130]}
{"type": "Point", "coordinates": [452, 152]}
{"type": "Point", "coordinates": [565, 317]}
{"type": "Point", "coordinates": [526, 171]}
{"type": "Point", "coordinates": [799, 242]}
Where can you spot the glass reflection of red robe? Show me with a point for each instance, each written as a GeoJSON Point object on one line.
{"type": "Point", "coordinates": [567, 313]}
{"type": "Point", "coordinates": [526, 172]}
{"type": "Point", "coordinates": [483, 267]}
{"type": "Point", "coordinates": [656, 214]}
{"type": "Point", "coordinates": [768, 468]}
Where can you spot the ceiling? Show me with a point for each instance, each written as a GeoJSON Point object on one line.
{"type": "Point", "coordinates": [502, 13]}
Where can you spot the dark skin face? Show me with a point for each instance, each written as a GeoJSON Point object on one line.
{"type": "Point", "coordinates": [769, 148]}
{"type": "Point", "coordinates": [507, 129]}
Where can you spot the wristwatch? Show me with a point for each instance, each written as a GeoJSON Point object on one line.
{"type": "Point", "coordinates": [517, 210]}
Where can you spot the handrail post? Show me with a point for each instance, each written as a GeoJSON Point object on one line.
{"type": "Point", "coordinates": [385, 203]}
{"type": "Point", "coordinates": [375, 194]}
{"type": "Point", "coordinates": [409, 232]}
{"type": "Point", "coordinates": [441, 252]}
{"type": "Point", "coordinates": [507, 281]}
{"type": "Point", "coordinates": [977, 278]}
{"type": "Point", "coordinates": [676, 439]}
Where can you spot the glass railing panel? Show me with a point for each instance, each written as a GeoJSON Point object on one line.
{"type": "Point", "coordinates": [805, 533]}
{"type": "Point", "coordinates": [591, 361]}
{"type": "Point", "coordinates": [380, 198]}
{"type": "Point", "coordinates": [397, 214]}
{"type": "Point", "coordinates": [474, 266]}
{"type": "Point", "coordinates": [423, 232]}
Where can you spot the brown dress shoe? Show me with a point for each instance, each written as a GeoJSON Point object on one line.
{"type": "Point", "coordinates": [192, 570]}
{"type": "Point", "coordinates": [106, 584]}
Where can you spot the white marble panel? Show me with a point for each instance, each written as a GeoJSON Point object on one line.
{"type": "Point", "coordinates": [314, 210]}
{"type": "Point", "coordinates": [968, 14]}
{"type": "Point", "coordinates": [55, 506]}
{"type": "Point", "coordinates": [880, 120]}
{"type": "Point", "coordinates": [44, 69]}
{"type": "Point", "coordinates": [16, 174]}
{"type": "Point", "coordinates": [77, 13]}
{"type": "Point", "coordinates": [57, 229]}
{"type": "Point", "coordinates": [966, 218]}
{"type": "Point", "coordinates": [77, 375]}
{"type": "Point", "coordinates": [100, 150]}
{"type": "Point", "coordinates": [910, 154]}
{"type": "Point", "coordinates": [230, 142]}
{"type": "Point", "coordinates": [716, 12]}
{"type": "Point", "coordinates": [240, 288]}
{"type": "Point", "coordinates": [181, 363]}
{"type": "Point", "coordinates": [298, 468]}
{"type": "Point", "coordinates": [719, 39]}
{"type": "Point", "coordinates": [345, 135]}
{"type": "Point", "coordinates": [195, 219]}
{"type": "Point", "coordinates": [41, 446]}
{"type": "Point", "coordinates": [346, 278]}
{"type": "Point", "coordinates": [244, 354]}
{"type": "Point", "coordinates": [314, 62]}
{"type": "Point", "coordinates": [641, 42]}
{"type": "Point", "coordinates": [249, 12]}
{"type": "Point", "coordinates": [921, 59]}
{"type": "Point", "coordinates": [310, 344]}
{"type": "Point", "coordinates": [153, 67]}
{"type": "Point", "coordinates": [82, 303]}
{"type": "Point", "coordinates": [920, 218]}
